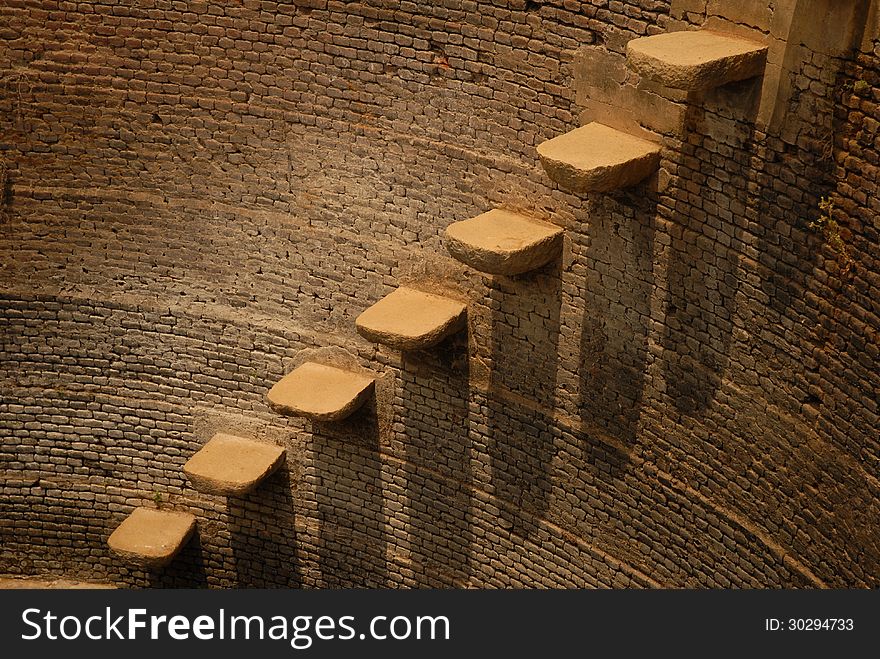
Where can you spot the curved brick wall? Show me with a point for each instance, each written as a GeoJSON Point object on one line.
{"type": "Point", "coordinates": [199, 197]}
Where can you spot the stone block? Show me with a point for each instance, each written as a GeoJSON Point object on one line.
{"type": "Point", "coordinates": [408, 319]}
{"type": "Point", "coordinates": [696, 59]}
{"type": "Point", "coordinates": [320, 392]}
{"type": "Point", "coordinates": [597, 158]}
{"type": "Point", "coordinates": [231, 466]}
{"type": "Point", "coordinates": [152, 538]}
{"type": "Point", "coordinates": [504, 243]}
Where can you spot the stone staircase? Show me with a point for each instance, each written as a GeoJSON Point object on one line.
{"type": "Point", "coordinates": [595, 158]}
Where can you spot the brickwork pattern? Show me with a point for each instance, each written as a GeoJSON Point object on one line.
{"type": "Point", "coordinates": [197, 195]}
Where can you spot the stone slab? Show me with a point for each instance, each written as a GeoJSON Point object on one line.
{"type": "Point", "coordinates": [152, 538]}
{"type": "Point", "coordinates": [504, 243]}
{"type": "Point", "coordinates": [696, 59]}
{"type": "Point", "coordinates": [597, 158]}
{"type": "Point", "coordinates": [408, 319]}
{"type": "Point", "coordinates": [320, 392]}
{"type": "Point", "coordinates": [232, 466]}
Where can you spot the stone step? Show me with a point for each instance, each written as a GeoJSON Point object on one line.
{"type": "Point", "coordinates": [597, 158]}
{"type": "Point", "coordinates": [503, 243]}
{"type": "Point", "coordinates": [696, 59]}
{"type": "Point", "coordinates": [232, 466]}
{"type": "Point", "coordinates": [408, 319]}
{"type": "Point", "coordinates": [320, 393]}
{"type": "Point", "coordinates": [152, 538]}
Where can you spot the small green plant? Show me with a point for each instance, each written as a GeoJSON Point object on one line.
{"type": "Point", "coordinates": [859, 86]}
{"type": "Point", "coordinates": [157, 499]}
{"type": "Point", "coordinates": [830, 230]}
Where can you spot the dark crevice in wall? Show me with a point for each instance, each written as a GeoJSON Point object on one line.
{"type": "Point", "coordinates": [188, 570]}
{"type": "Point", "coordinates": [346, 469]}
{"type": "Point", "coordinates": [263, 536]}
{"type": "Point", "coordinates": [521, 451]}
{"type": "Point", "coordinates": [525, 320]}
{"type": "Point", "coordinates": [434, 389]}
{"type": "Point", "coordinates": [614, 337]}
{"type": "Point", "coordinates": [703, 270]}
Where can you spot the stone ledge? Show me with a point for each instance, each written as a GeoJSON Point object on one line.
{"type": "Point", "coordinates": [231, 466]}
{"type": "Point", "coordinates": [596, 158]}
{"type": "Point", "coordinates": [503, 243]}
{"type": "Point", "coordinates": [320, 392]}
{"type": "Point", "coordinates": [152, 538]}
{"type": "Point", "coordinates": [408, 319]}
{"type": "Point", "coordinates": [696, 59]}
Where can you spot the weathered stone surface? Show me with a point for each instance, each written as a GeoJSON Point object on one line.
{"type": "Point", "coordinates": [232, 466]}
{"type": "Point", "coordinates": [320, 392]}
{"type": "Point", "coordinates": [696, 59]}
{"type": "Point", "coordinates": [169, 245]}
{"type": "Point", "coordinates": [152, 538]}
{"type": "Point", "coordinates": [612, 96]}
{"type": "Point", "coordinates": [754, 14]}
{"type": "Point", "coordinates": [504, 243]}
{"type": "Point", "coordinates": [408, 319]}
{"type": "Point", "coordinates": [596, 158]}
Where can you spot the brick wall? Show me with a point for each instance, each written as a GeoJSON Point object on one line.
{"type": "Point", "coordinates": [200, 195]}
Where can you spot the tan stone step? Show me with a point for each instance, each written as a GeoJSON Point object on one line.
{"type": "Point", "coordinates": [597, 158]}
{"type": "Point", "coordinates": [696, 59]}
{"type": "Point", "coordinates": [408, 319]}
{"type": "Point", "coordinates": [503, 243]}
{"type": "Point", "coordinates": [231, 466]}
{"type": "Point", "coordinates": [152, 538]}
{"type": "Point", "coordinates": [320, 393]}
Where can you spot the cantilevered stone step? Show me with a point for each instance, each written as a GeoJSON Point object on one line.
{"type": "Point", "coordinates": [152, 538]}
{"type": "Point", "coordinates": [696, 59]}
{"type": "Point", "coordinates": [411, 320]}
{"type": "Point", "coordinates": [596, 158]}
{"type": "Point", "coordinates": [231, 466]}
{"type": "Point", "coordinates": [320, 393]}
{"type": "Point", "coordinates": [503, 243]}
